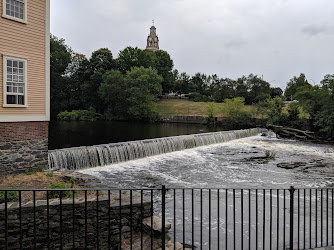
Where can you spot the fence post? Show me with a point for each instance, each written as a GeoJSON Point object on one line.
{"type": "Point", "coordinates": [163, 200]}
{"type": "Point", "coordinates": [291, 190]}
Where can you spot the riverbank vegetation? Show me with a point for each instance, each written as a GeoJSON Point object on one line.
{"type": "Point", "coordinates": [38, 179]}
{"type": "Point", "coordinates": [131, 87]}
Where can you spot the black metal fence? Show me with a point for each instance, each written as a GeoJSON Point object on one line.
{"type": "Point", "coordinates": [203, 218]}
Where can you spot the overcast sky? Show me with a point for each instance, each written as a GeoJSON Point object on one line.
{"type": "Point", "coordinates": [274, 38]}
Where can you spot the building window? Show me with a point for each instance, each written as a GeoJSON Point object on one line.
{"type": "Point", "coordinates": [15, 82]}
{"type": "Point", "coordinates": [15, 9]}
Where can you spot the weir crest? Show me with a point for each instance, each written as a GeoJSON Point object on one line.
{"type": "Point", "coordinates": [107, 154]}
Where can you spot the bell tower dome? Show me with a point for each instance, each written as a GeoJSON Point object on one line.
{"type": "Point", "coordinates": [152, 39]}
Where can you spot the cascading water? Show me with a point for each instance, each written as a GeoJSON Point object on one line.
{"type": "Point", "coordinates": [102, 155]}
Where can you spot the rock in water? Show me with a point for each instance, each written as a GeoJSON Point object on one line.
{"type": "Point", "coordinates": [291, 165]}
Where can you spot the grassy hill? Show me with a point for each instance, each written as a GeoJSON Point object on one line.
{"type": "Point", "coordinates": [186, 107]}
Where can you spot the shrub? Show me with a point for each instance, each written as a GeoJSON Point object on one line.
{"type": "Point", "coordinates": [197, 97]}
{"type": "Point", "coordinates": [60, 185]}
{"type": "Point", "coordinates": [270, 155]}
{"type": "Point", "coordinates": [293, 115]}
{"type": "Point", "coordinates": [235, 115]}
{"type": "Point", "coordinates": [72, 180]}
{"type": "Point", "coordinates": [261, 97]}
{"type": "Point", "coordinates": [210, 111]}
{"type": "Point", "coordinates": [50, 174]}
{"type": "Point", "coordinates": [78, 115]}
{"type": "Point", "coordinates": [12, 196]}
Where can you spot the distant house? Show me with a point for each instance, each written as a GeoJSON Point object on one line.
{"type": "Point", "coordinates": [24, 84]}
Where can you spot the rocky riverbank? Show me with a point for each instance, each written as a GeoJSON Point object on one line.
{"type": "Point", "coordinates": [313, 167]}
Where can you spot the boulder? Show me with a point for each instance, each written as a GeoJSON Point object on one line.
{"type": "Point", "coordinates": [156, 225]}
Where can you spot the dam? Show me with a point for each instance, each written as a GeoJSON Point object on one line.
{"type": "Point", "coordinates": [106, 154]}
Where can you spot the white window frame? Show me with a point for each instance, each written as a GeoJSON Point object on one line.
{"type": "Point", "coordinates": [24, 20]}
{"type": "Point", "coordinates": [5, 93]}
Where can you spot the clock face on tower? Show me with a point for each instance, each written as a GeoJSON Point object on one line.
{"type": "Point", "coordinates": [150, 38]}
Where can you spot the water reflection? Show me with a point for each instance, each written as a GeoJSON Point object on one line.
{"type": "Point", "coordinates": [63, 134]}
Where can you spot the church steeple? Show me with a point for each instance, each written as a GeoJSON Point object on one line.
{"type": "Point", "coordinates": [152, 39]}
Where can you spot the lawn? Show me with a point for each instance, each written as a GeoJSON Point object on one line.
{"type": "Point", "coordinates": [186, 107]}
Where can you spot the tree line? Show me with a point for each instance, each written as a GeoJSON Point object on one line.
{"type": "Point", "coordinates": [125, 88]}
{"type": "Point", "coordinates": [120, 88]}
{"type": "Point", "coordinates": [106, 84]}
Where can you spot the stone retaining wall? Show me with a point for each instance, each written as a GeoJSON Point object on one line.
{"type": "Point", "coordinates": [23, 146]}
{"type": "Point", "coordinates": [64, 213]}
{"type": "Point", "coordinates": [306, 124]}
{"type": "Point", "coordinates": [183, 119]}
{"type": "Point", "coordinates": [22, 156]}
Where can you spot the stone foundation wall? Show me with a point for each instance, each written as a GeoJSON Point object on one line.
{"type": "Point", "coordinates": [23, 146]}
{"type": "Point", "coordinates": [97, 222]}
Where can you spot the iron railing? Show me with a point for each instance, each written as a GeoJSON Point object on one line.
{"type": "Point", "coordinates": [203, 218]}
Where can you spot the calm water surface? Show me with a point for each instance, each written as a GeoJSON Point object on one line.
{"type": "Point", "coordinates": [63, 134]}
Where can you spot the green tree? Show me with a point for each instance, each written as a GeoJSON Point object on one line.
{"type": "Point", "coordinates": [293, 119]}
{"type": "Point", "coordinates": [131, 96]}
{"type": "Point", "coordinates": [100, 62]}
{"type": "Point", "coordinates": [328, 83]}
{"type": "Point", "coordinates": [307, 97]}
{"type": "Point", "coordinates": [235, 115]}
{"type": "Point", "coordinates": [224, 88]}
{"type": "Point", "coordinates": [183, 84]}
{"type": "Point", "coordinates": [200, 82]}
{"type": "Point", "coordinates": [164, 66]}
{"type": "Point", "coordinates": [293, 85]}
{"type": "Point", "coordinates": [241, 88]}
{"type": "Point", "coordinates": [112, 94]}
{"type": "Point", "coordinates": [258, 89]}
{"type": "Point", "coordinates": [276, 92]}
{"type": "Point", "coordinates": [134, 57]}
{"type": "Point", "coordinates": [60, 58]}
{"type": "Point", "coordinates": [211, 110]}
{"type": "Point", "coordinates": [324, 118]}
{"type": "Point", "coordinates": [143, 87]}
{"type": "Point", "coordinates": [318, 101]}
{"type": "Point", "coordinates": [275, 111]}
{"type": "Point", "coordinates": [160, 60]}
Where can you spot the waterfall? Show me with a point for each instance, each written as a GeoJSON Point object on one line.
{"type": "Point", "coordinates": [106, 154]}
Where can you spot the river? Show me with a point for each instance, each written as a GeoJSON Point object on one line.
{"type": "Point", "coordinates": [237, 164]}
{"type": "Point", "coordinates": [66, 134]}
